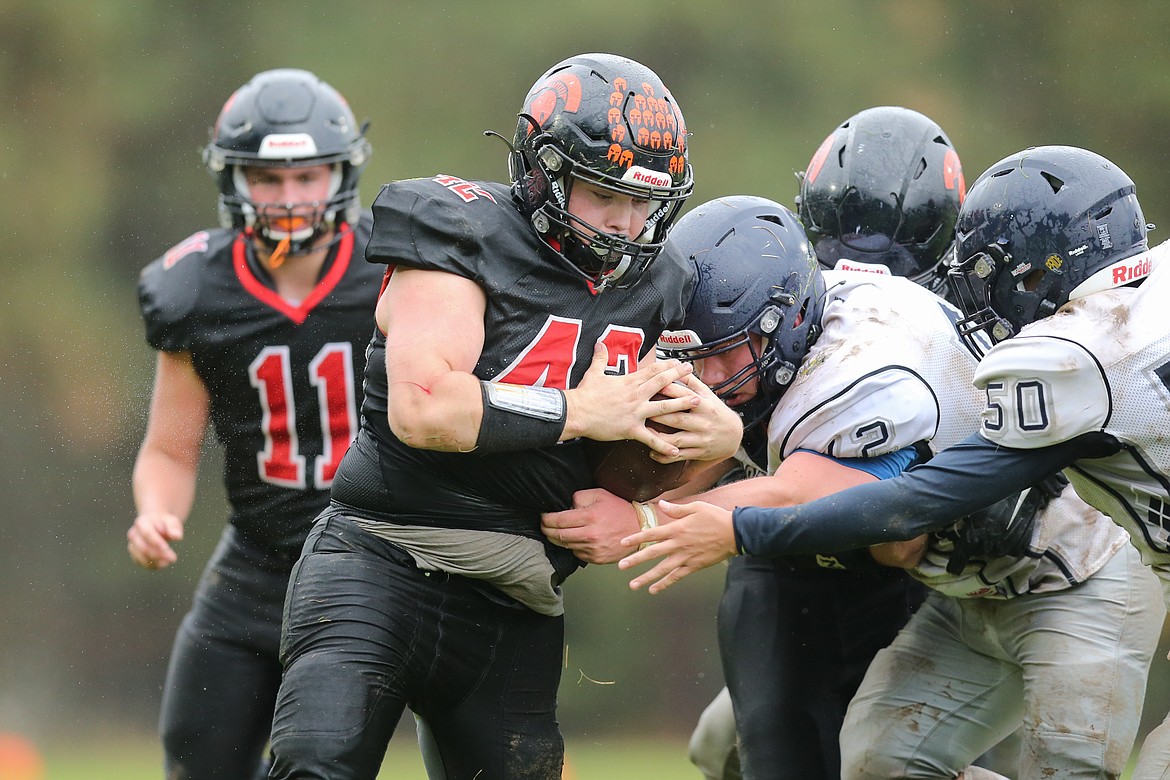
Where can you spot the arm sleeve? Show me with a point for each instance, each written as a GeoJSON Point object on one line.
{"type": "Point", "coordinates": [958, 481]}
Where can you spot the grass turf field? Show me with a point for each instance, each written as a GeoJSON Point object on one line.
{"type": "Point", "coordinates": [139, 758]}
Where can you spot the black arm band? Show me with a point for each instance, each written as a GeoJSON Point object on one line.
{"type": "Point", "coordinates": [516, 417]}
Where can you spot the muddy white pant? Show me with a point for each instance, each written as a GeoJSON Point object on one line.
{"type": "Point", "coordinates": [1069, 665]}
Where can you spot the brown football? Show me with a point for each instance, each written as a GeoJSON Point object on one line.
{"type": "Point", "coordinates": [626, 469]}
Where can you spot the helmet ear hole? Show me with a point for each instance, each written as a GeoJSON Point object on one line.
{"type": "Point", "coordinates": [1030, 282]}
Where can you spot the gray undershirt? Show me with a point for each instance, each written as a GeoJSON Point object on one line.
{"type": "Point", "coordinates": [515, 565]}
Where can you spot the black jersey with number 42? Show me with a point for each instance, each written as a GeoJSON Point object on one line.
{"type": "Point", "coordinates": [540, 326]}
{"type": "Point", "coordinates": [283, 378]}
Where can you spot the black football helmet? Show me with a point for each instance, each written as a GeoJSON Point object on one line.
{"type": "Point", "coordinates": [884, 188]}
{"type": "Point", "coordinates": [608, 121]}
{"type": "Point", "coordinates": [1040, 228]}
{"type": "Point", "coordinates": [756, 274]}
{"type": "Point", "coordinates": [286, 118]}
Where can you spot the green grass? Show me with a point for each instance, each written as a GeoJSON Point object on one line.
{"type": "Point", "coordinates": [140, 758]}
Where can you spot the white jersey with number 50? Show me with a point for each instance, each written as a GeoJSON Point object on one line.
{"type": "Point", "coordinates": [1100, 364]}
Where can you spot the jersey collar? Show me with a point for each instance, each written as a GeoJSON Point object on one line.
{"type": "Point", "coordinates": [270, 297]}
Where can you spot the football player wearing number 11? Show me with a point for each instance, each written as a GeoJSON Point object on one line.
{"type": "Point", "coordinates": [1051, 262]}
{"type": "Point", "coordinates": [261, 328]}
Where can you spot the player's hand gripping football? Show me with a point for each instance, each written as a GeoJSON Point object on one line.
{"type": "Point", "coordinates": [594, 528]}
{"type": "Point", "coordinates": [148, 540]}
{"type": "Point", "coordinates": [688, 538]}
{"type": "Point", "coordinates": [709, 430]}
{"type": "Point", "coordinates": [608, 407]}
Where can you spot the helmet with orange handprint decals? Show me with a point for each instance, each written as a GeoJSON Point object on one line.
{"type": "Point", "coordinates": [610, 122]}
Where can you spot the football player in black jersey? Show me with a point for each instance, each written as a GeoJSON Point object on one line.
{"type": "Point", "coordinates": [261, 327]}
{"type": "Point", "coordinates": [514, 322]}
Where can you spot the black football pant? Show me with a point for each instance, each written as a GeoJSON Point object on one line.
{"type": "Point", "coordinates": [224, 671]}
{"type": "Point", "coordinates": [367, 634]}
{"type": "Point", "coordinates": [795, 646]}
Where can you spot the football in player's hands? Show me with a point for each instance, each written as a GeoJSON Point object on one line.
{"type": "Point", "coordinates": [626, 469]}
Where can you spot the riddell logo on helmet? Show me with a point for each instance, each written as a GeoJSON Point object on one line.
{"type": "Point", "coordinates": [287, 145]}
{"type": "Point", "coordinates": [679, 339]}
{"type": "Point", "coordinates": [646, 176]}
{"type": "Point", "coordinates": [1124, 274]}
{"type": "Point", "coordinates": [845, 264]}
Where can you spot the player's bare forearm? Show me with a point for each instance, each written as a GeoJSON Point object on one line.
{"type": "Point", "coordinates": [167, 465]}
{"type": "Point", "coordinates": [699, 476]}
{"type": "Point", "coordinates": [441, 411]}
{"type": "Point", "coordinates": [164, 490]}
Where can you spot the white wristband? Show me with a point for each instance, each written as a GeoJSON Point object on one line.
{"type": "Point", "coordinates": [647, 517]}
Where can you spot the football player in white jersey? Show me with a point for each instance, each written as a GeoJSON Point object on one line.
{"type": "Point", "coordinates": [880, 194]}
{"type": "Point", "coordinates": [1052, 262]}
{"type": "Point", "coordinates": [857, 381]}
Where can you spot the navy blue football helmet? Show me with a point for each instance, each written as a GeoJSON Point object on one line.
{"type": "Point", "coordinates": [1040, 228]}
{"type": "Point", "coordinates": [286, 118]}
{"type": "Point", "coordinates": [884, 188]}
{"type": "Point", "coordinates": [756, 275]}
{"type": "Point", "coordinates": [608, 121]}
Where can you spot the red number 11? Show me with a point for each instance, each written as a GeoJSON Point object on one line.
{"type": "Point", "coordinates": [331, 372]}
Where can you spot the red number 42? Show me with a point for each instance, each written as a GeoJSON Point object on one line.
{"type": "Point", "coordinates": [331, 372]}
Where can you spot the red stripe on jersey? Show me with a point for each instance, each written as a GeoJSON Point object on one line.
{"type": "Point", "coordinates": [267, 295]}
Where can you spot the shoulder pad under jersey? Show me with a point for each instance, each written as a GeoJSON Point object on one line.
{"type": "Point", "coordinates": [874, 414]}
{"type": "Point", "coordinates": [442, 223]}
{"type": "Point", "coordinates": [169, 288]}
{"type": "Point", "coordinates": [1041, 390]}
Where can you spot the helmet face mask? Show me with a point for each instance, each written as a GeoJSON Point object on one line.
{"type": "Point", "coordinates": [884, 188]}
{"type": "Point", "coordinates": [970, 284]}
{"type": "Point", "coordinates": [1038, 229]}
{"type": "Point", "coordinates": [758, 285]}
{"type": "Point", "coordinates": [609, 122]}
{"type": "Point", "coordinates": [287, 118]}
{"type": "Point", "coordinates": [298, 221]}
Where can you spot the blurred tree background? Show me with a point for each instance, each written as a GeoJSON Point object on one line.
{"type": "Point", "coordinates": [107, 104]}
